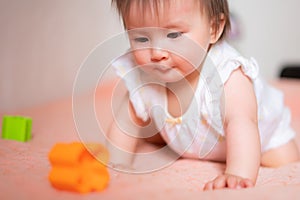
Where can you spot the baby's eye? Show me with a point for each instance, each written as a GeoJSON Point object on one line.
{"type": "Point", "coordinates": [141, 39]}
{"type": "Point", "coordinates": [174, 35]}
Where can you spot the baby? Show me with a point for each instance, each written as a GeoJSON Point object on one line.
{"type": "Point", "coordinates": [241, 121]}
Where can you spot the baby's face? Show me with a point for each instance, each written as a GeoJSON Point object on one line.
{"type": "Point", "coordinates": [169, 44]}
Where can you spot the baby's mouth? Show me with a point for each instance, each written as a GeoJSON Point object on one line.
{"type": "Point", "coordinates": [163, 69]}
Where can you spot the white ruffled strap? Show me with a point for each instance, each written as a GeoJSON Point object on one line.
{"type": "Point", "coordinates": [126, 69]}
{"type": "Point", "coordinates": [249, 67]}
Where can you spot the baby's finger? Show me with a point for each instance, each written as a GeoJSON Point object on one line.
{"type": "Point", "coordinates": [219, 182]}
{"type": "Point", "coordinates": [246, 183]}
{"type": "Point", "coordinates": [208, 186]}
{"type": "Point", "coordinates": [232, 182]}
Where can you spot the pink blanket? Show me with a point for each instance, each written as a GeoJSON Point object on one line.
{"type": "Point", "coordinates": [24, 167]}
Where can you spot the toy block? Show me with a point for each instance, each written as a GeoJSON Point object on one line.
{"type": "Point", "coordinates": [16, 128]}
{"type": "Point", "coordinates": [74, 168]}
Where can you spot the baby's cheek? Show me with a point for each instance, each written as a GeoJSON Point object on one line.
{"type": "Point", "coordinates": [141, 57]}
{"type": "Point", "coordinates": [184, 64]}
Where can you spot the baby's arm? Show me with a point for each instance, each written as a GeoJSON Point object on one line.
{"type": "Point", "coordinates": [123, 135]}
{"type": "Point", "coordinates": [242, 136]}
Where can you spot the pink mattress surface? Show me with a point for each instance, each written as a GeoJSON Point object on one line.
{"type": "Point", "coordinates": [24, 167]}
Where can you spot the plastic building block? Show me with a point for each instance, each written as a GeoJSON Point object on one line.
{"type": "Point", "coordinates": [16, 128]}
{"type": "Point", "coordinates": [75, 169]}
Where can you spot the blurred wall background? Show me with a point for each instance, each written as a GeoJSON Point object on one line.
{"type": "Point", "coordinates": [269, 32]}
{"type": "Point", "coordinates": [42, 45]}
{"type": "Point", "coordinates": [44, 42]}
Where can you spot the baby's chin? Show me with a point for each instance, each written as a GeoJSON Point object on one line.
{"type": "Point", "coordinates": [169, 75]}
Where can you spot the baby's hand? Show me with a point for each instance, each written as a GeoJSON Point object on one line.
{"type": "Point", "coordinates": [228, 181]}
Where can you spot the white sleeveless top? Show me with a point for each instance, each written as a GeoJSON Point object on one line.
{"type": "Point", "coordinates": [200, 128]}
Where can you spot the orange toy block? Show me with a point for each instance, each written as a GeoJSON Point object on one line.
{"type": "Point", "coordinates": [75, 169]}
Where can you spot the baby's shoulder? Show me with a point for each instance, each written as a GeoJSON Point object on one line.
{"type": "Point", "coordinates": [227, 59]}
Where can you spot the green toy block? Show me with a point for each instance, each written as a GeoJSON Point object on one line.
{"type": "Point", "coordinates": [16, 128]}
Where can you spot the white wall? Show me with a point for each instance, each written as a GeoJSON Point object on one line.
{"type": "Point", "coordinates": [43, 42]}
{"type": "Point", "coordinates": [270, 32]}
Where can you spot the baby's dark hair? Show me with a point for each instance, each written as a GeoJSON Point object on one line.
{"type": "Point", "coordinates": [214, 9]}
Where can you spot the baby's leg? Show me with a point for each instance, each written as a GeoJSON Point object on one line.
{"type": "Point", "coordinates": [282, 155]}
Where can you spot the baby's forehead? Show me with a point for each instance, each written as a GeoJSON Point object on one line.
{"type": "Point", "coordinates": [157, 10]}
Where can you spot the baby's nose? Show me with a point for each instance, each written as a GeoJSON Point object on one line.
{"type": "Point", "coordinates": [159, 55]}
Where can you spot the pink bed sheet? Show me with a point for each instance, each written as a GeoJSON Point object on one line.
{"type": "Point", "coordinates": [24, 167]}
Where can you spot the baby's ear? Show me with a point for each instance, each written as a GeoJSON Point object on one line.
{"type": "Point", "coordinates": [217, 28]}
